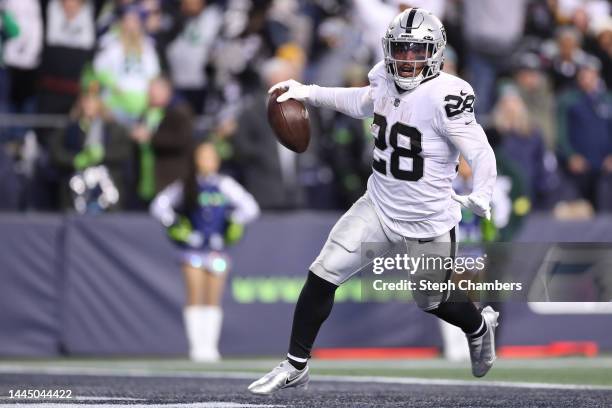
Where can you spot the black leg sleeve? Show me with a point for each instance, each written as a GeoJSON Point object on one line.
{"type": "Point", "coordinates": [459, 311]}
{"type": "Point", "coordinates": [313, 307]}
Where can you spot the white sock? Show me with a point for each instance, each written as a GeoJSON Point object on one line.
{"type": "Point", "coordinates": [203, 326]}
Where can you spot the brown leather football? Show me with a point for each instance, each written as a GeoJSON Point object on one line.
{"type": "Point", "coordinates": [290, 122]}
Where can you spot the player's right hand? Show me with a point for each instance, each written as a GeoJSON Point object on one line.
{"type": "Point", "coordinates": [294, 90]}
{"type": "Point", "coordinates": [182, 232]}
{"type": "Point", "coordinates": [477, 205]}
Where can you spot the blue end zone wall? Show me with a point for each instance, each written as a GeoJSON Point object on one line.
{"type": "Point", "coordinates": [112, 285]}
{"type": "Point", "coordinates": [30, 285]}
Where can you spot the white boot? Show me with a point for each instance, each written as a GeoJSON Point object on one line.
{"type": "Point", "coordinates": [203, 326]}
{"type": "Point", "coordinates": [215, 321]}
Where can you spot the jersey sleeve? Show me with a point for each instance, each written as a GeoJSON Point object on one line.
{"type": "Point", "coordinates": [164, 204]}
{"type": "Point", "coordinates": [454, 118]}
{"type": "Point", "coordinates": [354, 102]}
{"type": "Point", "coordinates": [246, 208]}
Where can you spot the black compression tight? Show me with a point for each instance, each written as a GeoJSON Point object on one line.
{"type": "Point", "coordinates": [459, 311]}
{"type": "Point", "coordinates": [313, 307]}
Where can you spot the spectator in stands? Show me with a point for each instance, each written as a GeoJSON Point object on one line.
{"type": "Point", "coordinates": [592, 9]}
{"type": "Point", "coordinates": [69, 44]}
{"type": "Point", "coordinates": [163, 138]}
{"type": "Point", "coordinates": [536, 92]}
{"type": "Point", "coordinates": [109, 14]}
{"type": "Point", "coordinates": [270, 169]}
{"type": "Point", "coordinates": [8, 29]}
{"type": "Point", "coordinates": [156, 16]}
{"type": "Point", "coordinates": [340, 47]}
{"type": "Point", "coordinates": [521, 143]}
{"type": "Point", "coordinates": [22, 54]}
{"type": "Point", "coordinates": [125, 65]}
{"type": "Point", "coordinates": [158, 28]}
{"type": "Point", "coordinates": [242, 49]}
{"type": "Point", "coordinates": [348, 150]}
{"type": "Point", "coordinates": [188, 55]}
{"type": "Point", "coordinates": [580, 21]}
{"type": "Point", "coordinates": [315, 175]}
{"type": "Point", "coordinates": [373, 17]}
{"type": "Point", "coordinates": [204, 212]}
{"type": "Point", "coordinates": [492, 31]}
{"type": "Point", "coordinates": [566, 59]}
{"type": "Point", "coordinates": [288, 24]}
{"type": "Point", "coordinates": [603, 47]}
{"type": "Point", "coordinates": [90, 139]}
{"type": "Point", "coordinates": [540, 19]}
{"type": "Point", "coordinates": [585, 135]}
{"type": "Point", "coordinates": [153, 10]}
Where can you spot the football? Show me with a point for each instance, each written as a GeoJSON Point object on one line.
{"type": "Point", "coordinates": [290, 122]}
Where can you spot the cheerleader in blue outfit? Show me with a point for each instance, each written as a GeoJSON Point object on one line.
{"type": "Point", "coordinates": [203, 213]}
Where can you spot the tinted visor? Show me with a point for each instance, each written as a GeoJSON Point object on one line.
{"type": "Point", "coordinates": [409, 51]}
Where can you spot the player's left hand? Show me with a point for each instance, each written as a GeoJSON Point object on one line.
{"type": "Point", "coordinates": [234, 233]}
{"type": "Point", "coordinates": [477, 205]}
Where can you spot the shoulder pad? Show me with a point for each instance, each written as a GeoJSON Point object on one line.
{"type": "Point", "coordinates": [377, 75]}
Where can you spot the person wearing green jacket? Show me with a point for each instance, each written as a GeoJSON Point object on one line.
{"type": "Point", "coordinates": [8, 29]}
{"type": "Point", "coordinates": [90, 139]}
{"type": "Point", "coordinates": [124, 66]}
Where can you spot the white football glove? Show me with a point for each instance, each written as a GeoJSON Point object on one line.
{"type": "Point", "coordinates": [477, 205]}
{"type": "Point", "coordinates": [295, 90]}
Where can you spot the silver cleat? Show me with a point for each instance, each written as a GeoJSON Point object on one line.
{"type": "Point", "coordinates": [283, 376]}
{"type": "Point", "coordinates": [482, 349]}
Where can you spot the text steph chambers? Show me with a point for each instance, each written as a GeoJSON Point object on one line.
{"type": "Point", "coordinates": [423, 285]}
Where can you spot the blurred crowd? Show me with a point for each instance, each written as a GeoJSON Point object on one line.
{"type": "Point", "coordinates": [103, 100]}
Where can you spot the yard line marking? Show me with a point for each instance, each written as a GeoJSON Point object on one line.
{"type": "Point", "coordinates": [78, 398]}
{"type": "Point", "coordinates": [212, 404]}
{"type": "Point", "coordinates": [94, 398]}
{"type": "Point", "coordinates": [469, 383]}
{"type": "Point", "coordinates": [109, 372]}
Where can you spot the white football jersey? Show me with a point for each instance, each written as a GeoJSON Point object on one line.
{"type": "Point", "coordinates": [418, 135]}
{"type": "Point", "coordinates": [414, 161]}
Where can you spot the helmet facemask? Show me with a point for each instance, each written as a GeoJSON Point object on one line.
{"type": "Point", "coordinates": [411, 61]}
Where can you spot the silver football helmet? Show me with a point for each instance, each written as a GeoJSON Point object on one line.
{"type": "Point", "coordinates": [414, 47]}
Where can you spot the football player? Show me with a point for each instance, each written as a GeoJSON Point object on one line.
{"type": "Point", "coordinates": [423, 120]}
